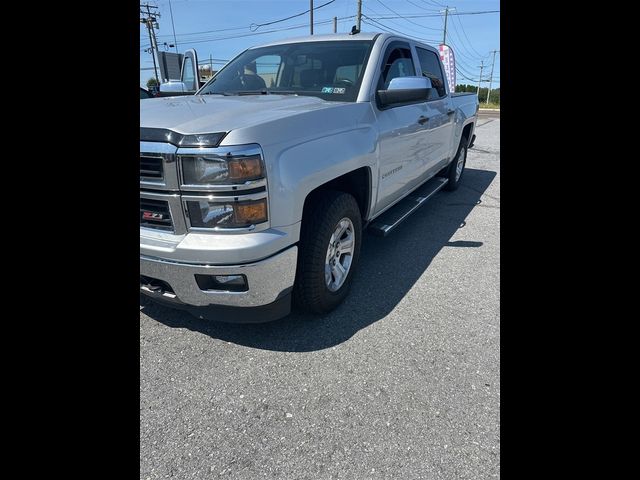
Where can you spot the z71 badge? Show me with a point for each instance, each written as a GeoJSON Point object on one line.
{"type": "Point", "coordinates": [152, 216]}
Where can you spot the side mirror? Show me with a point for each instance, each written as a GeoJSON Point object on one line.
{"type": "Point", "coordinates": [405, 90]}
{"type": "Point", "coordinates": [173, 87]}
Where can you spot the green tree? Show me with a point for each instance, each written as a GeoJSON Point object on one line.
{"type": "Point", "coordinates": [482, 94]}
{"type": "Point", "coordinates": [152, 82]}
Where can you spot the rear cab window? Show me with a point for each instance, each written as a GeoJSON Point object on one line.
{"type": "Point", "coordinates": [430, 68]}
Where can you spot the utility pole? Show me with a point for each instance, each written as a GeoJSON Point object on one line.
{"type": "Point", "coordinates": [480, 80]}
{"type": "Point", "coordinates": [446, 14]}
{"type": "Point", "coordinates": [175, 41]}
{"type": "Point", "coordinates": [491, 74]}
{"type": "Point", "coordinates": [359, 16]}
{"type": "Point", "coordinates": [335, 24]}
{"type": "Point", "coordinates": [150, 20]}
{"type": "Point", "coordinates": [210, 66]}
{"type": "Point", "coordinates": [311, 16]}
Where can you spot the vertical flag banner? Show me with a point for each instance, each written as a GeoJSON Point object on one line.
{"type": "Point", "coordinates": [449, 63]}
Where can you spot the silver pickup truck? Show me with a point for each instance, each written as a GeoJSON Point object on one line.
{"type": "Point", "coordinates": [255, 191]}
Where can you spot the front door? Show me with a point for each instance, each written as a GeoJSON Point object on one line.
{"type": "Point", "coordinates": [403, 140]}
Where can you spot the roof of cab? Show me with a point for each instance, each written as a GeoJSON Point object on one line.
{"type": "Point", "coordinates": [326, 37]}
{"type": "Point", "coordinates": [382, 36]}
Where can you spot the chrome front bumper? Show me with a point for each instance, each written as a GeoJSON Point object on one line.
{"type": "Point", "coordinates": [268, 280]}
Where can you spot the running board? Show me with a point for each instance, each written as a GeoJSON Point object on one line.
{"type": "Point", "coordinates": [393, 217]}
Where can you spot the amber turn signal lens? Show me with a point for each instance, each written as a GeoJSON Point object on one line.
{"type": "Point", "coordinates": [250, 213]}
{"type": "Point", "coordinates": [248, 168]}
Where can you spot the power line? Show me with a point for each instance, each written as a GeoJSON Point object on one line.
{"type": "Point", "coordinates": [463, 70]}
{"type": "Point", "coordinates": [423, 15]}
{"type": "Point", "coordinates": [403, 26]}
{"type": "Point", "coordinates": [436, 4]}
{"type": "Point", "coordinates": [459, 51]}
{"type": "Point", "coordinates": [382, 17]}
{"type": "Point", "coordinates": [465, 77]}
{"type": "Point", "coordinates": [470, 42]}
{"type": "Point", "coordinates": [255, 26]}
{"type": "Point", "coordinates": [471, 56]}
{"type": "Point", "coordinates": [422, 8]}
{"type": "Point", "coordinates": [389, 29]}
{"type": "Point", "coordinates": [391, 10]}
{"type": "Point", "coordinates": [293, 27]}
{"type": "Point", "coordinates": [175, 41]}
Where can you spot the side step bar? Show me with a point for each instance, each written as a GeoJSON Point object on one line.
{"type": "Point", "coordinates": [393, 217]}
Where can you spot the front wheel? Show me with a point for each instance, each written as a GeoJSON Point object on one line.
{"type": "Point", "coordinates": [329, 250]}
{"type": "Point", "coordinates": [456, 168]}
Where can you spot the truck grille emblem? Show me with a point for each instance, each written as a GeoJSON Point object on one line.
{"type": "Point", "coordinates": [151, 215]}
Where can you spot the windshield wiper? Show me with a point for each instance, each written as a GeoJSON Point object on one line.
{"type": "Point", "coordinates": [254, 92]}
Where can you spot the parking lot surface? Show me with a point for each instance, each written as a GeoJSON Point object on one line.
{"type": "Point", "coordinates": [401, 381]}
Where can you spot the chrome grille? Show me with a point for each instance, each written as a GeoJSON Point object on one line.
{"type": "Point", "coordinates": [150, 167]}
{"type": "Point", "coordinates": [155, 214]}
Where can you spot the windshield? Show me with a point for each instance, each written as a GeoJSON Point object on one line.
{"type": "Point", "coordinates": [330, 70]}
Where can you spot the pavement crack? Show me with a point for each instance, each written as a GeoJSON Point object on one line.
{"type": "Point", "coordinates": [483, 124]}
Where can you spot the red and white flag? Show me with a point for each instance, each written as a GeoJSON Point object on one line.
{"type": "Point", "coordinates": [449, 63]}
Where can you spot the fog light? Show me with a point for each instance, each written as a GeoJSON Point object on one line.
{"type": "Point", "coordinates": [223, 283]}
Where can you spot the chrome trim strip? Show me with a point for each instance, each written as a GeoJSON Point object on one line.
{"type": "Point", "coordinates": [238, 187]}
{"type": "Point", "coordinates": [250, 228]}
{"type": "Point", "coordinates": [225, 199]}
{"type": "Point", "coordinates": [234, 150]}
{"type": "Point", "coordinates": [155, 147]}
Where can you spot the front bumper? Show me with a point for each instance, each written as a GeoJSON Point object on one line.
{"type": "Point", "coordinates": [269, 281]}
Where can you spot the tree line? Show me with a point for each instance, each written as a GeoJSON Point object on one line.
{"type": "Point", "coordinates": [482, 95]}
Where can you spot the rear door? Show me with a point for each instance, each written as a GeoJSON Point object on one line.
{"type": "Point", "coordinates": [439, 111]}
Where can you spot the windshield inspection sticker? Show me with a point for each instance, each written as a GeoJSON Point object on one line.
{"type": "Point", "coordinates": [338, 90]}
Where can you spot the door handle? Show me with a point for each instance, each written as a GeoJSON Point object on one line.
{"type": "Point", "coordinates": [451, 112]}
{"type": "Point", "coordinates": [422, 120]}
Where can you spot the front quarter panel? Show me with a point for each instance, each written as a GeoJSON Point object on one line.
{"type": "Point", "coordinates": [305, 151]}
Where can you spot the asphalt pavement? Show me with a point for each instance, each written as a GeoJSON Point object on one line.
{"type": "Point", "coordinates": [401, 381]}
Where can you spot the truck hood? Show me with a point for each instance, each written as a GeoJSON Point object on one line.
{"type": "Point", "coordinates": [215, 113]}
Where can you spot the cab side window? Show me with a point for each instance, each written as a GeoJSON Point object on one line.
{"type": "Point", "coordinates": [187, 74]}
{"type": "Point", "coordinates": [398, 63]}
{"type": "Point", "coordinates": [430, 65]}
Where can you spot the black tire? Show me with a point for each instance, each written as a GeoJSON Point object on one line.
{"type": "Point", "coordinates": [451, 171]}
{"type": "Point", "coordinates": [322, 215]}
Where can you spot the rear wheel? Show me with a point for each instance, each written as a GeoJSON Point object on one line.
{"type": "Point", "coordinates": [329, 251]}
{"type": "Point", "coordinates": [456, 168]}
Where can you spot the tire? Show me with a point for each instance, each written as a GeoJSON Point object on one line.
{"type": "Point", "coordinates": [313, 292]}
{"type": "Point", "coordinates": [452, 172]}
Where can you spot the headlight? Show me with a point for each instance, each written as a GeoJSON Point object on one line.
{"type": "Point", "coordinates": [210, 214]}
{"type": "Point", "coordinates": [215, 169]}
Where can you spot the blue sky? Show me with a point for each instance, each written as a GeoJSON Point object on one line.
{"type": "Point", "coordinates": [206, 25]}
